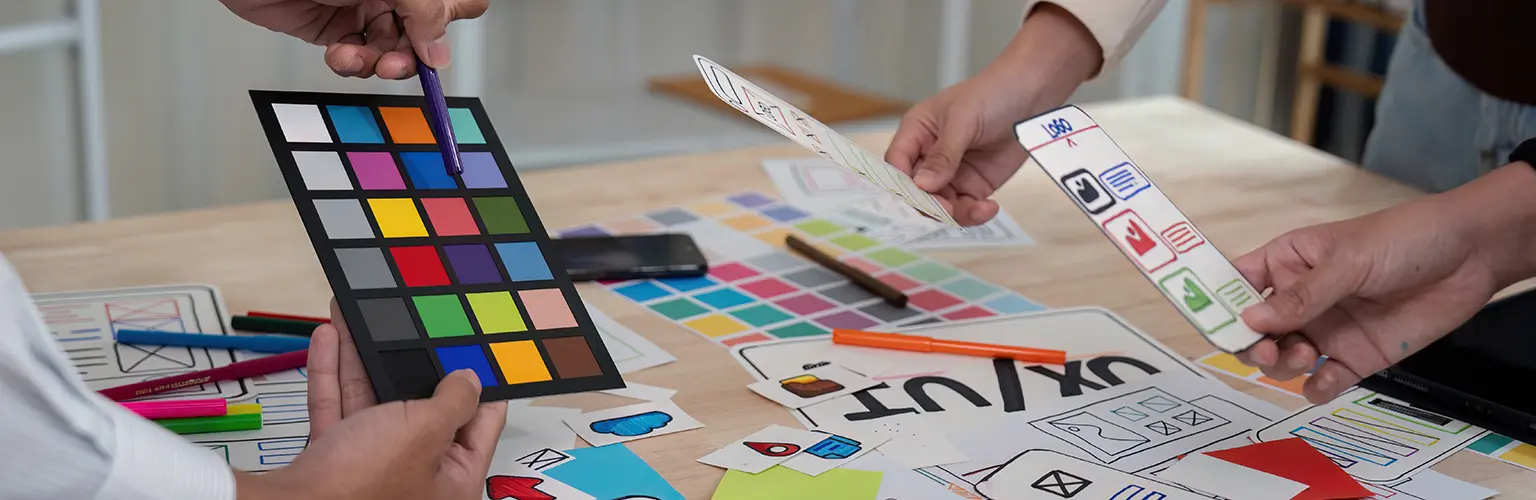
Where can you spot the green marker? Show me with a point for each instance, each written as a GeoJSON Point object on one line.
{"type": "Point", "coordinates": [239, 417]}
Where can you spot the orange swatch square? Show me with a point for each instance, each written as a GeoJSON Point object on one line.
{"type": "Point", "coordinates": [407, 126]}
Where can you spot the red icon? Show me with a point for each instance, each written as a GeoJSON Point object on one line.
{"type": "Point", "coordinates": [1183, 237]}
{"type": "Point", "coordinates": [1131, 233]}
{"type": "Point", "coordinates": [773, 449]}
{"type": "Point", "coordinates": [515, 488]}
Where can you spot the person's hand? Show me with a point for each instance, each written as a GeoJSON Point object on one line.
{"type": "Point", "coordinates": [430, 449]}
{"type": "Point", "coordinates": [959, 144]}
{"type": "Point", "coordinates": [362, 38]}
{"type": "Point", "coordinates": [1369, 291]}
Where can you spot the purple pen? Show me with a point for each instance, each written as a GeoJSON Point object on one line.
{"type": "Point", "coordinates": [437, 117]}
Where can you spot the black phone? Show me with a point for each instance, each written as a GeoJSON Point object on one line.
{"type": "Point", "coordinates": [592, 258]}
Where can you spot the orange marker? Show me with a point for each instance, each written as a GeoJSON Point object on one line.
{"type": "Point", "coordinates": [919, 343]}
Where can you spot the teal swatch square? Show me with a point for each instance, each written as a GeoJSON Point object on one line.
{"type": "Point", "coordinates": [1489, 444]}
{"type": "Point", "coordinates": [355, 124]}
{"type": "Point", "coordinates": [970, 288]}
{"type": "Point", "coordinates": [797, 330]}
{"type": "Point", "coordinates": [931, 272]}
{"type": "Point", "coordinates": [760, 315]}
{"type": "Point", "coordinates": [465, 129]}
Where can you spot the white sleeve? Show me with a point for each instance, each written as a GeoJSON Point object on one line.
{"type": "Point", "coordinates": [1116, 24]}
{"type": "Point", "coordinates": [59, 439]}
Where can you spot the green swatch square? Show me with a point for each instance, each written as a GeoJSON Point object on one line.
{"type": "Point", "coordinates": [760, 315]}
{"type": "Point", "coordinates": [501, 215]}
{"type": "Point", "coordinates": [443, 315]}
{"type": "Point", "coordinates": [818, 227]}
{"type": "Point", "coordinates": [678, 309]}
{"type": "Point", "coordinates": [1489, 444]}
{"type": "Point", "coordinates": [891, 257]}
{"type": "Point", "coordinates": [931, 272]}
{"type": "Point", "coordinates": [465, 130]}
{"type": "Point", "coordinates": [797, 330]}
{"type": "Point", "coordinates": [855, 242]}
{"type": "Point", "coordinates": [970, 288]}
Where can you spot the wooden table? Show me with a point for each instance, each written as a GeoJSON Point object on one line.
{"type": "Point", "coordinates": [1240, 184]}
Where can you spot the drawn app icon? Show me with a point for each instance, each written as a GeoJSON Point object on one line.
{"type": "Point", "coordinates": [1237, 295]}
{"type": "Point", "coordinates": [1138, 492]}
{"type": "Point", "coordinates": [515, 488]}
{"type": "Point", "coordinates": [1139, 242]}
{"type": "Point", "coordinates": [1087, 191]}
{"type": "Point", "coordinates": [638, 424]}
{"type": "Point", "coordinates": [1193, 298]}
{"type": "Point", "coordinates": [808, 386]}
{"type": "Point", "coordinates": [834, 447]}
{"type": "Point", "coordinates": [1125, 180]}
{"type": "Point", "coordinates": [1183, 237]}
{"type": "Point", "coordinates": [1061, 483]}
{"type": "Point", "coordinates": [773, 449]}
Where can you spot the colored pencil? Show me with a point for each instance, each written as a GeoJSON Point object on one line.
{"type": "Point", "coordinates": [437, 117]}
{"type": "Point", "coordinates": [184, 408]}
{"type": "Point", "coordinates": [241, 417]}
{"type": "Point", "coordinates": [864, 280]}
{"type": "Point", "coordinates": [273, 325]}
{"type": "Point", "coordinates": [919, 343]}
{"type": "Point", "coordinates": [293, 317]}
{"type": "Point", "coordinates": [242, 369]}
{"type": "Point", "coordinates": [256, 343]}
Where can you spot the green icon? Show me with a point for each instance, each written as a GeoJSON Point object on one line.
{"type": "Point", "coordinates": [1195, 299]}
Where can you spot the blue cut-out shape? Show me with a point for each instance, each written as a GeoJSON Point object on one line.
{"type": "Point", "coordinates": [834, 447]}
{"type": "Point", "coordinates": [632, 425]}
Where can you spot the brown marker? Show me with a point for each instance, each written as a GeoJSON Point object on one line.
{"type": "Point", "coordinates": [866, 281]}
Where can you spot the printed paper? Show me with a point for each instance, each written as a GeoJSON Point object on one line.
{"type": "Point", "coordinates": [532, 428]}
{"type": "Point", "coordinates": [834, 450]}
{"type": "Point", "coordinates": [628, 423]}
{"type": "Point", "coordinates": [1431, 484]}
{"type": "Point", "coordinates": [630, 351]}
{"type": "Point", "coordinates": [1200, 472]}
{"type": "Point", "coordinates": [900, 482]}
{"type": "Point", "coordinates": [508, 479]}
{"type": "Point", "coordinates": [806, 388]}
{"type": "Point", "coordinates": [636, 390]}
{"type": "Point", "coordinates": [763, 449]}
{"type": "Point", "coordinates": [1049, 475]}
{"type": "Point", "coordinates": [912, 442]}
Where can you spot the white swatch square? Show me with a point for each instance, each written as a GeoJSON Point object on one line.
{"type": "Point", "coordinates": [628, 423]}
{"type": "Point", "coordinates": [763, 449]}
{"type": "Point", "coordinates": [813, 386]}
{"type": "Point", "coordinates": [301, 123]}
{"type": "Point", "coordinates": [322, 170]}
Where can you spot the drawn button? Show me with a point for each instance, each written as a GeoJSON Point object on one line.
{"type": "Point", "coordinates": [1061, 483]}
{"type": "Point", "coordinates": [809, 386]}
{"type": "Point", "coordinates": [1125, 180]}
{"type": "Point", "coordinates": [834, 448]}
{"type": "Point", "coordinates": [1087, 191]}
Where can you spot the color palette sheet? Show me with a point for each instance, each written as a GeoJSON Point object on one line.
{"type": "Point", "coordinates": [434, 273]}
{"type": "Point", "coordinates": [757, 290]}
{"type": "Point", "coordinates": [1493, 445]}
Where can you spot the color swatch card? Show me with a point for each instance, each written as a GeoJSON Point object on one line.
{"type": "Point", "coordinates": [818, 137]}
{"type": "Point", "coordinates": [1134, 214]}
{"type": "Point", "coordinates": [433, 272]}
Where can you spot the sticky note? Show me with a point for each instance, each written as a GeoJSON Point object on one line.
{"type": "Point", "coordinates": [779, 482]}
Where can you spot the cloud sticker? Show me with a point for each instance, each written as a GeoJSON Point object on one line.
{"type": "Point", "coordinates": [632, 425]}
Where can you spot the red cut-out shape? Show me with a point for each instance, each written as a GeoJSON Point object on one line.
{"type": "Point", "coordinates": [515, 488]}
{"type": "Point", "coordinates": [773, 449]}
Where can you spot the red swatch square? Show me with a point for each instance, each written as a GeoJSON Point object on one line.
{"type": "Point", "coordinates": [767, 287]}
{"type": "Point", "coordinates": [731, 272]}
{"type": "Point", "coordinates": [420, 266]}
{"type": "Point", "coordinates": [932, 300]}
{"type": "Point", "coordinates": [968, 313]}
{"type": "Point", "coordinates": [1298, 461]}
{"type": "Point", "coordinates": [902, 283]}
{"type": "Point", "coordinates": [756, 337]}
{"type": "Point", "coordinates": [450, 217]}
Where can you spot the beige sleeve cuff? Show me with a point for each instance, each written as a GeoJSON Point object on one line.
{"type": "Point", "coordinates": [1116, 24]}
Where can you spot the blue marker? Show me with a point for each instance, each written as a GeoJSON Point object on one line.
{"type": "Point", "coordinates": [255, 343]}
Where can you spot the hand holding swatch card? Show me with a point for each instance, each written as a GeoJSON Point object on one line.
{"type": "Point", "coordinates": [433, 272]}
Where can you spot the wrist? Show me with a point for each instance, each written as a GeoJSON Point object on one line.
{"type": "Point", "coordinates": [1048, 58]}
{"type": "Point", "coordinates": [1497, 214]}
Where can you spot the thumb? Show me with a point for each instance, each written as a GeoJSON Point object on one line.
{"type": "Point", "coordinates": [426, 25]}
{"type": "Point", "coordinates": [454, 403]}
{"type": "Point", "coordinates": [940, 162]}
{"type": "Point", "coordinates": [1291, 307]}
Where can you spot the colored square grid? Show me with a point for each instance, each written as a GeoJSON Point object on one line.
{"type": "Point", "coordinates": [301, 123]}
{"type": "Point", "coordinates": [355, 124]}
{"type": "Point", "coordinates": [442, 316]}
{"type": "Point", "coordinates": [419, 266]}
{"type": "Point", "coordinates": [971, 312]}
{"type": "Point", "coordinates": [776, 237]}
{"type": "Point", "coordinates": [520, 362]}
{"type": "Point", "coordinates": [375, 170]}
{"type": "Point", "coordinates": [970, 288]}
{"type": "Point", "coordinates": [932, 300]}
{"type": "Point", "coordinates": [745, 222]}
{"type": "Point", "coordinates": [855, 242]}
{"type": "Point", "coordinates": [468, 357]}
{"type": "Point", "coordinates": [732, 271]}
{"type": "Point", "coordinates": [642, 292]}
{"type": "Point", "coordinates": [365, 268]}
{"type": "Point", "coordinates": [688, 284]}
{"type": "Point", "coordinates": [749, 200]}
{"type": "Point", "coordinates": [672, 217]}
{"type": "Point", "coordinates": [1013, 304]}
{"type": "Point", "coordinates": [712, 208]}
{"type": "Point", "coordinates": [450, 217]}
{"type": "Point", "coordinates": [767, 287]}
{"type": "Point", "coordinates": [472, 264]}
{"type": "Point", "coordinates": [863, 265]}
{"type": "Point", "coordinates": [818, 227]}
{"type": "Point", "coordinates": [427, 170]}
{"type": "Point", "coordinates": [898, 281]}
{"type": "Point", "coordinates": [496, 312]}
{"type": "Point", "coordinates": [716, 325]}
{"type": "Point", "coordinates": [760, 315]}
{"type": "Point", "coordinates": [801, 329]}
{"type": "Point", "coordinates": [501, 215]}
{"type": "Point", "coordinates": [524, 261]}
{"type": "Point", "coordinates": [846, 319]}
{"type": "Point", "coordinates": [931, 272]}
{"type": "Point", "coordinates": [892, 257]}
{"type": "Point", "coordinates": [480, 170]}
{"type": "Point", "coordinates": [322, 171]}
{"type": "Point", "coordinates": [547, 308]}
{"type": "Point", "coordinates": [804, 304]}
{"type": "Point", "coordinates": [407, 125]}
{"type": "Point", "coordinates": [678, 309]}
{"type": "Point", "coordinates": [397, 217]}
{"type": "Point", "coordinates": [724, 298]}
{"type": "Point", "coordinates": [343, 219]}
{"type": "Point", "coordinates": [387, 319]}
{"type": "Point", "coordinates": [465, 130]}
{"type": "Point", "coordinates": [785, 213]}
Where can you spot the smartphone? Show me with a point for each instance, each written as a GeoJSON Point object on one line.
{"type": "Point", "coordinates": [591, 258]}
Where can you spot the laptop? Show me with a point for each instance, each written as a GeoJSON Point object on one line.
{"type": "Point", "coordinates": [1482, 373]}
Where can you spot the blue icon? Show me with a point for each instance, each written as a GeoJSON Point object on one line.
{"type": "Point", "coordinates": [834, 447]}
{"type": "Point", "coordinates": [1125, 180]}
{"type": "Point", "coordinates": [632, 425]}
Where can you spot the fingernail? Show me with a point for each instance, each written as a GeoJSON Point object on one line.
{"type": "Point", "coordinates": [473, 379]}
{"type": "Point", "coordinates": [437, 54]}
{"type": "Point", "coordinates": [1324, 382]}
{"type": "Point", "coordinates": [354, 66]}
{"type": "Point", "coordinates": [978, 214]}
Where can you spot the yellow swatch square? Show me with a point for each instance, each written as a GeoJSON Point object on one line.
{"type": "Point", "coordinates": [1229, 363]}
{"type": "Point", "coordinates": [716, 325]}
{"type": "Point", "coordinates": [712, 208]}
{"type": "Point", "coordinates": [397, 217]}
{"type": "Point", "coordinates": [775, 237]}
{"type": "Point", "coordinates": [496, 312]}
{"type": "Point", "coordinates": [746, 222]}
{"type": "Point", "coordinates": [520, 362]}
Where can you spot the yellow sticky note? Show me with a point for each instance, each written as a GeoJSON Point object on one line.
{"type": "Point", "coordinates": [1522, 454]}
{"type": "Point", "coordinates": [779, 482]}
{"type": "Point", "coordinates": [496, 312]}
{"type": "Point", "coordinates": [397, 218]}
{"type": "Point", "coordinates": [520, 362]}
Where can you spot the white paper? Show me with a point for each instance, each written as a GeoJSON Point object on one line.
{"type": "Point", "coordinates": [900, 482]}
{"type": "Point", "coordinates": [1050, 475]}
{"type": "Point", "coordinates": [1431, 484]}
{"type": "Point", "coordinates": [806, 388]}
{"type": "Point", "coordinates": [1228, 480]}
{"type": "Point", "coordinates": [834, 450]}
{"type": "Point", "coordinates": [628, 423]}
{"type": "Point", "coordinates": [1375, 438]}
{"type": "Point", "coordinates": [763, 449]}
{"type": "Point", "coordinates": [543, 459]}
{"type": "Point", "coordinates": [912, 441]}
{"type": "Point", "coordinates": [636, 390]}
{"type": "Point", "coordinates": [536, 427]}
{"type": "Point", "coordinates": [1001, 231]}
{"type": "Point", "coordinates": [630, 351]}
{"type": "Point", "coordinates": [1191, 273]}
{"type": "Point", "coordinates": [516, 478]}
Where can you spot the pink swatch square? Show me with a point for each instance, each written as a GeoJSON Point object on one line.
{"type": "Point", "coordinates": [932, 300]}
{"type": "Point", "coordinates": [547, 308]}
{"type": "Point", "coordinates": [732, 272]}
{"type": "Point", "coordinates": [375, 170]}
{"type": "Point", "coordinates": [968, 313]}
{"type": "Point", "coordinates": [900, 282]}
{"type": "Point", "coordinates": [804, 304]}
{"type": "Point", "coordinates": [863, 265]}
{"type": "Point", "coordinates": [767, 287]}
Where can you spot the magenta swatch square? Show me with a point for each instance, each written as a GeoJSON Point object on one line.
{"type": "Point", "coordinates": [480, 171]}
{"type": "Point", "coordinates": [731, 271]}
{"type": "Point", "coordinates": [804, 304]}
{"type": "Point", "coordinates": [767, 288]}
{"type": "Point", "coordinates": [375, 170]}
{"type": "Point", "coordinates": [846, 319]}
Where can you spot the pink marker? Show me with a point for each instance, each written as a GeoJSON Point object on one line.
{"type": "Point", "coordinates": [178, 409]}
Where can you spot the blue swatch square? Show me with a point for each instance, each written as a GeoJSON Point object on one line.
{"type": "Point", "coordinates": [480, 171]}
{"type": "Point", "coordinates": [688, 284]}
{"type": "Point", "coordinates": [468, 356]}
{"type": "Point", "coordinates": [427, 170]}
{"type": "Point", "coordinates": [1013, 304]}
{"type": "Point", "coordinates": [524, 261]}
{"type": "Point", "coordinates": [355, 124]}
{"type": "Point", "coordinates": [721, 299]}
{"type": "Point", "coordinates": [785, 213]}
{"type": "Point", "coordinates": [750, 200]}
{"type": "Point", "coordinates": [643, 291]}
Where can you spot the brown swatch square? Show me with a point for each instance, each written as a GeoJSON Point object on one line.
{"type": "Point", "coordinates": [572, 357]}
